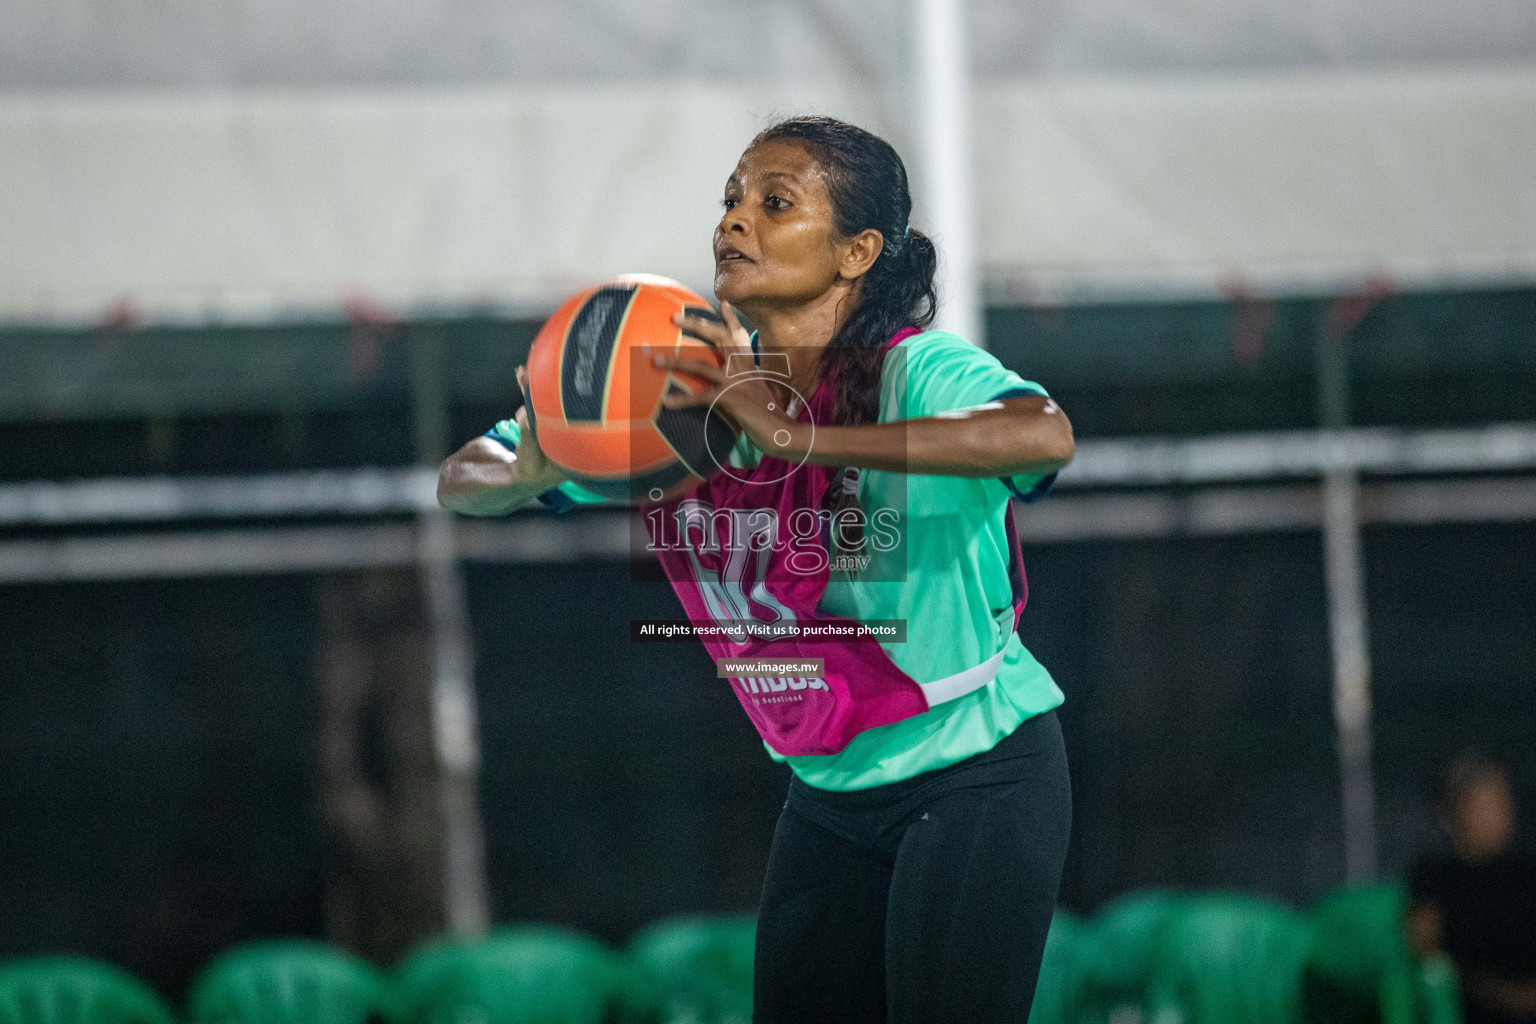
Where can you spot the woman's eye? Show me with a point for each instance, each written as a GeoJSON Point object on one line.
{"type": "Point", "coordinates": [776, 203]}
{"type": "Point", "coordinates": [728, 202]}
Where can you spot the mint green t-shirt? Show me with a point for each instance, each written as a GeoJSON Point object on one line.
{"type": "Point", "coordinates": [947, 577]}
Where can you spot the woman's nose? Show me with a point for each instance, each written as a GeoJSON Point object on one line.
{"type": "Point", "coordinates": [734, 222]}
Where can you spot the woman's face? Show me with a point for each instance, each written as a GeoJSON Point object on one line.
{"type": "Point", "coordinates": [776, 242]}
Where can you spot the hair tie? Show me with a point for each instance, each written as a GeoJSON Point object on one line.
{"type": "Point", "coordinates": [907, 232]}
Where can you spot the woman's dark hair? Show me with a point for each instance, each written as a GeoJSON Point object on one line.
{"type": "Point", "coordinates": [868, 186]}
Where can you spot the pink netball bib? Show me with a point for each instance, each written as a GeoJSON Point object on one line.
{"type": "Point", "coordinates": [749, 547]}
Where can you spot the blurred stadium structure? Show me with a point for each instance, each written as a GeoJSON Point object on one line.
{"type": "Point", "coordinates": [263, 264]}
{"type": "Point", "coordinates": [245, 161]}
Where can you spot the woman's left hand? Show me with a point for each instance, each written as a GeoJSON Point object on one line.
{"type": "Point", "coordinates": [737, 388]}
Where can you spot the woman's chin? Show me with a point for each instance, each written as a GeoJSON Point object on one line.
{"type": "Point", "coordinates": [730, 285]}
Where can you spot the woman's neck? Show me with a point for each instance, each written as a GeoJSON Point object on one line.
{"type": "Point", "coordinates": [801, 332]}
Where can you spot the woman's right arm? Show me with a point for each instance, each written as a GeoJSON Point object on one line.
{"type": "Point", "coordinates": [486, 478]}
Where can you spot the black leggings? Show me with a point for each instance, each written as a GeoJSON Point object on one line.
{"type": "Point", "coordinates": [920, 902]}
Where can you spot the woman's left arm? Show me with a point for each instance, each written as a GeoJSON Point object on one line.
{"type": "Point", "coordinates": [1017, 435]}
{"type": "Point", "coordinates": [1027, 434]}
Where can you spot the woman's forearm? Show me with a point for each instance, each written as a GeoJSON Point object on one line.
{"type": "Point", "coordinates": [1020, 435]}
{"type": "Point", "coordinates": [485, 479]}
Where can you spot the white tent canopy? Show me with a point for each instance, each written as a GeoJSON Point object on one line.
{"type": "Point", "coordinates": [1277, 185]}
{"type": "Point", "coordinates": [270, 204]}
{"type": "Point", "coordinates": [179, 44]}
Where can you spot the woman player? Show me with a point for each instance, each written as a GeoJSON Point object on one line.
{"type": "Point", "coordinates": [915, 866]}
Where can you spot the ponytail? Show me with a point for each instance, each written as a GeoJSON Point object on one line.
{"type": "Point", "coordinates": [898, 291]}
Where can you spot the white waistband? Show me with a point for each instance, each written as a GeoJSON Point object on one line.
{"type": "Point", "coordinates": [962, 683]}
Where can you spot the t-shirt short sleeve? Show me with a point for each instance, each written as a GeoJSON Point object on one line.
{"type": "Point", "coordinates": [562, 498]}
{"type": "Point", "coordinates": [946, 373]}
{"type": "Point", "coordinates": [743, 454]}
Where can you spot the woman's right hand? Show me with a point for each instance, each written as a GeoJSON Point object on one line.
{"type": "Point", "coordinates": [486, 478]}
{"type": "Point", "coordinates": [535, 464]}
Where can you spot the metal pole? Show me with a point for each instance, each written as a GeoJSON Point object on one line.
{"type": "Point", "coordinates": [455, 727]}
{"type": "Point", "coordinates": [944, 104]}
{"type": "Point", "coordinates": [1347, 623]}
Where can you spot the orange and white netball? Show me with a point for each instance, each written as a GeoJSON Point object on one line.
{"type": "Point", "coordinates": [595, 397]}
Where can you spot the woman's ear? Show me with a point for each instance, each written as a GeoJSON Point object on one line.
{"type": "Point", "coordinates": [860, 253]}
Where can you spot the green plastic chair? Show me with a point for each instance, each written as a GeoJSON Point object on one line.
{"type": "Point", "coordinates": [426, 969]}
{"type": "Point", "coordinates": [700, 967]}
{"type": "Point", "coordinates": [1229, 960]}
{"type": "Point", "coordinates": [525, 975]}
{"type": "Point", "coordinates": [1360, 953]}
{"type": "Point", "coordinates": [1059, 990]}
{"type": "Point", "coordinates": [75, 990]}
{"type": "Point", "coordinates": [1116, 959]}
{"type": "Point", "coordinates": [290, 981]}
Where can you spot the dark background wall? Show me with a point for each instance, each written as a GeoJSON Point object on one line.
{"type": "Point", "coordinates": [160, 803]}
{"type": "Point", "coordinates": [157, 770]}
{"type": "Point", "coordinates": [115, 402]}
{"type": "Point", "coordinates": [158, 784]}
